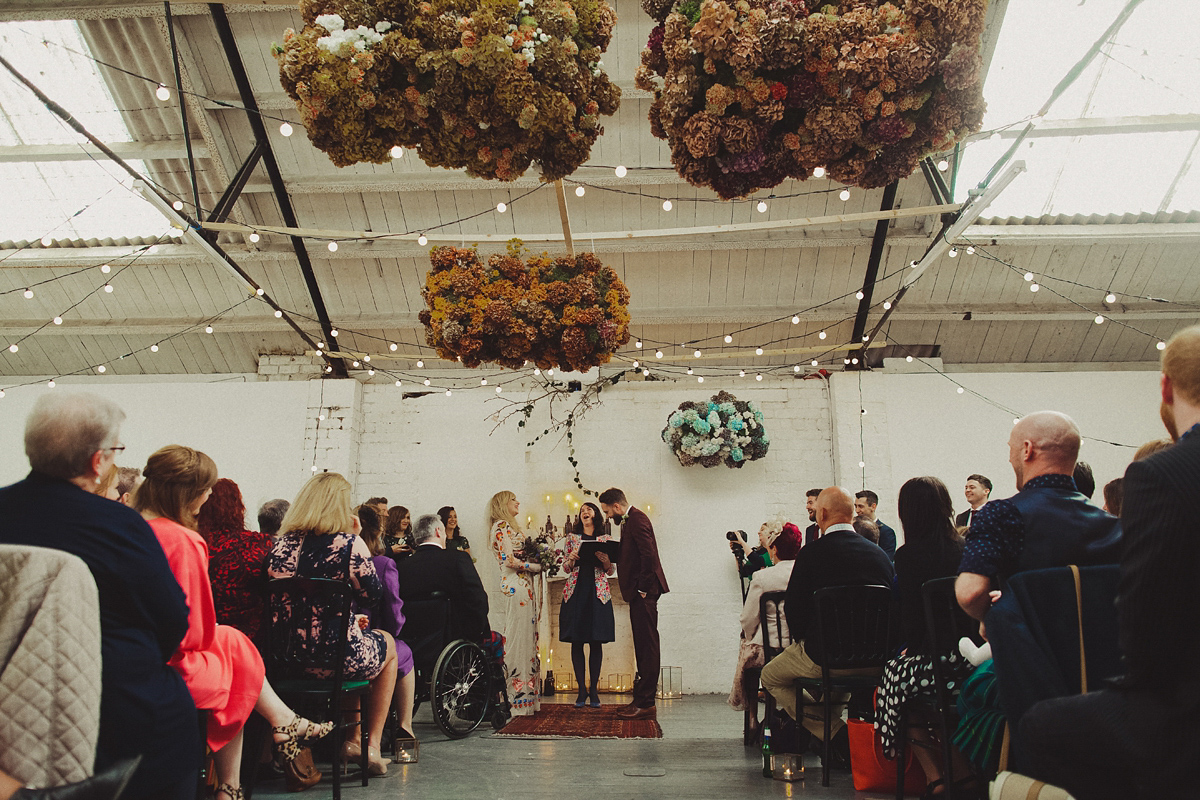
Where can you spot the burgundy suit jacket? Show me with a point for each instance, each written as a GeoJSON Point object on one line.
{"type": "Point", "coordinates": [640, 569]}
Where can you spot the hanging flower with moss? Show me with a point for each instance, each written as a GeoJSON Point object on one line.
{"type": "Point", "coordinates": [721, 430]}
{"type": "Point", "coordinates": [489, 86]}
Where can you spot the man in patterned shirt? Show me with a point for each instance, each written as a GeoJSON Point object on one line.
{"type": "Point", "coordinates": [1047, 523]}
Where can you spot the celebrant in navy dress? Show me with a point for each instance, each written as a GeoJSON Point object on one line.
{"type": "Point", "coordinates": [587, 613]}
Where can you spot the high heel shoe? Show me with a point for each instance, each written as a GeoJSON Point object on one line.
{"type": "Point", "coordinates": [106, 785]}
{"type": "Point", "coordinates": [595, 701]}
{"type": "Point", "coordinates": [376, 761]}
{"type": "Point", "coordinates": [299, 771]}
{"type": "Point", "coordinates": [581, 700]}
{"type": "Point", "coordinates": [234, 793]}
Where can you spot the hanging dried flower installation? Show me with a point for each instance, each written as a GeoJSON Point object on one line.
{"type": "Point", "coordinates": [570, 313]}
{"type": "Point", "coordinates": [721, 430]}
{"type": "Point", "coordinates": [751, 92]}
{"type": "Point", "coordinates": [490, 86]}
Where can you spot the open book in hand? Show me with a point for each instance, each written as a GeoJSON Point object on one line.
{"type": "Point", "coordinates": [589, 548]}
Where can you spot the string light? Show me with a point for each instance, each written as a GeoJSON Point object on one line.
{"type": "Point", "coordinates": [108, 288]}
{"type": "Point", "coordinates": [501, 207]}
{"type": "Point", "coordinates": [278, 314]}
{"type": "Point", "coordinates": [286, 129]}
{"type": "Point", "coordinates": [537, 371]}
{"type": "Point", "coordinates": [814, 362]}
{"type": "Point", "coordinates": [638, 344]}
{"type": "Point", "coordinates": [420, 363]}
{"type": "Point", "coordinates": [1, 393]}
{"type": "Point", "coordinates": [399, 384]}
{"type": "Point", "coordinates": [862, 464]}
{"type": "Point", "coordinates": [162, 93]}
{"type": "Point", "coordinates": [758, 377]}
{"type": "Point", "coordinates": [483, 381]}
{"type": "Point", "coordinates": [1033, 287]}
{"type": "Point", "coordinates": [105, 268]}
{"type": "Point", "coordinates": [741, 373]}
{"type": "Point", "coordinates": [12, 348]}
{"type": "Point", "coordinates": [796, 368]}
{"type": "Point", "coordinates": [658, 353]}
{"type": "Point", "coordinates": [29, 294]}
{"type": "Point", "coordinates": [762, 206]}
{"type": "Point", "coordinates": [549, 373]}
{"type": "Point", "coordinates": [666, 205]}
{"type": "Point", "coordinates": [697, 354]}
{"type": "Point", "coordinates": [1028, 276]}
{"type": "Point", "coordinates": [254, 237]}
{"type": "Point", "coordinates": [645, 373]}
{"type": "Point", "coordinates": [1099, 319]}
{"type": "Point", "coordinates": [1110, 298]}
{"type": "Point", "coordinates": [795, 319]}
{"type": "Point", "coordinates": [333, 246]}
{"type": "Point", "coordinates": [844, 194]}
{"type": "Point", "coordinates": [333, 332]}
{"type": "Point", "coordinates": [208, 328]}
{"type": "Point", "coordinates": [328, 369]}
{"type": "Point", "coordinates": [1161, 345]}
{"type": "Point", "coordinates": [260, 291]}
{"type": "Point", "coordinates": [397, 151]}
{"type": "Point", "coordinates": [728, 339]}
{"type": "Point", "coordinates": [579, 191]}
{"type": "Point", "coordinates": [422, 240]}
{"type": "Point", "coordinates": [953, 252]}
{"type": "Point", "coordinates": [321, 416]}
{"type": "Point", "coordinates": [866, 336]}
{"type": "Point", "coordinates": [636, 364]}
{"type": "Point", "coordinates": [101, 368]}
{"type": "Point", "coordinates": [177, 205]}
{"type": "Point", "coordinates": [690, 371]}
{"type": "Point", "coordinates": [392, 347]}
{"type": "Point", "coordinates": [498, 390]}
{"type": "Point", "coordinates": [367, 359]}
{"type": "Point", "coordinates": [887, 304]}
{"type": "Point", "coordinates": [700, 379]}
{"type": "Point", "coordinates": [758, 351]}
{"type": "Point", "coordinates": [355, 364]}
{"type": "Point", "coordinates": [822, 335]}
{"type": "Point", "coordinates": [970, 249]}
{"type": "Point", "coordinates": [943, 165]}
{"type": "Point", "coordinates": [621, 171]}
{"type": "Point", "coordinates": [854, 361]}
{"type": "Point", "coordinates": [427, 381]}
{"type": "Point", "coordinates": [57, 320]}
{"type": "Point", "coordinates": [51, 384]}
{"type": "Point", "coordinates": [859, 295]}
{"type": "Point", "coordinates": [153, 348]}
{"type": "Point", "coordinates": [818, 172]}
{"type": "Point", "coordinates": [845, 361]}
{"type": "Point", "coordinates": [961, 390]}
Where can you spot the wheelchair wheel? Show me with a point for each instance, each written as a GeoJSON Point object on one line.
{"type": "Point", "coordinates": [460, 691]}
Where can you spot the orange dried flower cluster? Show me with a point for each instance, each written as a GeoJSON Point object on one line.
{"type": "Point", "coordinates": [570, 313]}
{"type": "Point", "coordinates": [751, 92]}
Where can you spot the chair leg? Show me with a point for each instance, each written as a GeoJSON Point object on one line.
{"type": "Point", "coordinates": [901, 752]}
{"type": "Point", "coordinates": [364, 739]}
{"type": "Point", "coordinates": [335, 704]}
{"type": "Point", "coordinates": [828, 699]}
{"type": "Point", "coordinates": [202, 776]}
{"type": "Point", "coordinates": [947, 752]}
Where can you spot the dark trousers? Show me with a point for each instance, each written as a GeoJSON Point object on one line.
{"type": "Point", "coordinates": [1111, 744]}
{"type": "Point", "coordinates": [643, 618]}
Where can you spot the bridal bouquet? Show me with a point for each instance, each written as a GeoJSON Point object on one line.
{"type": "Point", "coordinates": [541, 550]}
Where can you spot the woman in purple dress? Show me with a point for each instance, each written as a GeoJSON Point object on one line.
{"type": "Point", "coordinates": [388, 615]}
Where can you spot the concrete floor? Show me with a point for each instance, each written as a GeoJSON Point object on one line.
{"type": "Point", "coordinates": [700, 756]}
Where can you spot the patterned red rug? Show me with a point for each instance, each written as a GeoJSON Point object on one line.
{"type": "Point", "coordinates": [565, 721]}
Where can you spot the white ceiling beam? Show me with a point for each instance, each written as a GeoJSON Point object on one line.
{"type": "Point", "coordinates": [1132, 233]}
{"type": "Point", "coordinates": [457, 180]}
{"type": "Point", "coordinates": [1096, 126]}
{"type": "Point", "coordinates": [22, 153]}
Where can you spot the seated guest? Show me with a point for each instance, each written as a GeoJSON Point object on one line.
{"type": "Point", "coordinates": [865, 503]}
{"type": "Point", "coordinates": [388, 615]}
{"type": "Point", "coordinates": [1150, 448]}
{"type": "Point", "coordinates": [397, 533]}
{"type": "Point", "coordinates": [1113, 494]}
{"type": "Point", "coordinates": [977, 491]}
{"type": "Point", "coordinates": [71, 440]}
{"type": "Point", "coordinates": [270, 516]}
{"type": "Point", "coordinates": [237, 559]}
{"type": "Point", "coordinates": [319, 539]}
{"type": "Point", "coordinates": [1085, 482]}
{"type": "Point", "coordinates": [932, 549]}
{"type": "Point", "coordinates": [782, 547]}
{"type": "Point", "coordinates": [1138, 737]}
{"type": "Point", "coordinates": [1047, 523]}
{"type": "Point", "coordinates": [840, 557]}
{"type": "Point", "coordinates": [866, 529]}
{"type": "Point", "coordinates": [107, 488]}
{"type": "Point", "coordinates": [434, 568]}
{"type": "Point", "coordinates": [454, 538]}
{"type": "Point", "coordinates": [221, 667]}
{"type": "Point", "coordinates": [128, 479]}
{"type": "Point", "coordinates": [756, 558]}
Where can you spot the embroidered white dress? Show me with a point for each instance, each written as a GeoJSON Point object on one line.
{"type": "Point", "coordinates": [522, 663]}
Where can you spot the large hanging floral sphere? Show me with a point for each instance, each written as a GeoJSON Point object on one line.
{"type": "Point", "coordinates": [569, 313]}
{"type": "Point", "coordinates": [751, 92]}
{"type": "Point", "coordinates": [490, 86]}
{"type": "Point", "coordinates": [722, 430]}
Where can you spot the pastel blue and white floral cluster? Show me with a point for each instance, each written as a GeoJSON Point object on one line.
{"type": "Point", "coordinates": [722, 430]}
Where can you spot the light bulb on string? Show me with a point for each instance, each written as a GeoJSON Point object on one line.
{"type": "Point", "coordinates": [580, 191]}
{"type": "Point", "coordinates": [105, 268]}
{"type": "Point", "coordinates": [758, 377]}
{"type": "Point", "coordinates": [943, 165]}
{"type": "Point", "coordinates": [762, 206]}
{"type": "Point", "coordinates": [57, 320]}
{"type": "Point", "coordinates": [846, 361]}
{"type": "Point", "coordinates": [397, 151]}
{"type": "Point", "coordinates": [887, 304]}
{"type": "Point", "coordinates": [741, 373]}
{"type": "Point", "coordinates": [153, 348]}
{"type": "Point", "coordinates": [796, 368]}
{"type": "Point", "coordinates": [700, 379]}
{"type": "Point", "coordinates": [392, 347]}
{"type": "Point", "coordinates": [814, 362]}
{"type": "Point", "coordinates": [844, 194]}
{"type": "Point", "coordinates": [162, 93]}
{"type": "Point", "coordinates": [862, 464]}
{"type": "Point", "coordinates": [645, 373]}
{"type": "Point", "coordinates": [51, 384]}
{"type": "Point", "coordinates": [549, 373]}
{"type": "Point", "coordinates": [621, 171]}
{"type": "Point", "coordinates": [667, 205]}
{"type": "Point", "coordinates": [638, 344]}
{"type": "Point", "coordinates": [1110, 298]}
{"type": "Point", "coordinates": [795, 319]}
{"type": "Point", "coordinates": [328, 369]}
{"type": "Point", "coordinates": [420, 363]}
{"type": "Point", "coordinates": [690, 371]}
{"type": "Point", "coordinates": [854, 361]}
{"type": "Point", "coordinates": [501, 207]}
{"type": "Point", "coordinates": [1099, 319]}
{"type": "Point", "coordinates": [859, 295]}
{"type": "Point", "coordinates": [953, 253]}
{"type": "Point", "coordinates": [636, 364]}
{"type": "Point", "coordinates": [108, 288]}
{"type": "Point", "coordinates": [758, 351]}
{"type": "Point", "coordinates": [658, 353]}
{"type": "Point", "coordinates": [426, 381]}
{"type": "Point", "coordinates": [254, 237]}
{"type": "Point", "coordinates": [498, 390]}
{"type": "Point", "coordinates": [366, 359]}
{"type": "Point", "coordinates": [1161, 345]}
{"type": "Point", "coordinates": [818, 172]}
{"type": "Point", "coordinates": [970, 249]}
{"type": "Point", "coordinates": [333, 246]}
{"type": "Point", "coordinates": [483, 381]}
{"type": "Point", "coordinates": [728, 339]}
{"type": "Point", "coordinates": [333, 332]}
{"type": "Point", "coordinates": [697, 354]}
{"type": "Point", "coordinates": [822, 335]}
{"type": "Point", "coordinates": [101, 369]}
{"type": "Point", "coordinates": [208, 328]}
{"type": "Point", "coordinates": [1033, 287]}
{"type": "Point", "coordinates": [537, 371]}
{"type": "Point", "coordinates": [1028, 276]}
{"type": "Point", "coordinates": [399, 384]}
{"type": "Point", "coordinates": [177, 205]}
{"type": "Point", "coordinates": [28, 294]}
{"type": "Point", "coordinates": [12, 348]}
{"type": "Point", "coordinates": [286, 129]}
{"type": "Point", "coordinates": [1, 393]}
{"type": "Point", "coordinates": [866, 336]}
{"type": "Point", "coordinates": [355, 364]}
{"type": "Point", "coordinates": [422, 240]}
{"type": "Point", "coordinates": [260, 291]}
{"type": "Point", "coordinates": [278, 314]}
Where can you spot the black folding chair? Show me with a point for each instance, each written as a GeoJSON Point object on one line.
{"type": "Point", "coordinates": [315, 641]}
{"type": "Point", "coordinates": [771, 624]}
{"type": "Point", "coordinates": [852, 629]}
{"type": "Point", "coordinates": [945, 624]}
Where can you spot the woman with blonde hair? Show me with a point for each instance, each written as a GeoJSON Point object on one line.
{"type": "Point", "coordinates": [319, 539]}
{"type": "Point", "coordinates": [221, 667]}
{"type": "Point", "coordinates": [521, 660]}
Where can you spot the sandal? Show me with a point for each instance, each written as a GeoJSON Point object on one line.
{"type": "Point", "coordinates": [312, 731]}
{"type": "Point", "coordinates": [234, 793]}
{"type": "Point", "coordinates": [299, 771]}
{"type": "Point", "coordinates": [929, 792]}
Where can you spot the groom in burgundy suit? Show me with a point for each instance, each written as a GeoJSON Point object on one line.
{"type": "Point", "coordinates": [642, 582]}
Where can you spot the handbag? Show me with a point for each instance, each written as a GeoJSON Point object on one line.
{"type": "Point", "coordinates": [300, 772]}
{"type": "Point", "coordinates": [871, 770]}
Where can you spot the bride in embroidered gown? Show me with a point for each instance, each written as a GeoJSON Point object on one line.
{"type": "Point", "coordinates": [522, 663]}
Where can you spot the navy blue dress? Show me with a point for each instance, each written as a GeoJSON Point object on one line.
{"type": "Point", "coordinates": [144, 705]}
{"type": "Point", "coordinates": [583, 618]}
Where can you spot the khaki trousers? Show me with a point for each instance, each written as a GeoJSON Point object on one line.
{"type": "Point", "coordinates": [778, 678]}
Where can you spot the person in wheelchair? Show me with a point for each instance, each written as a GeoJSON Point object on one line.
{"type": "Point", "coordinates": [459, 659]}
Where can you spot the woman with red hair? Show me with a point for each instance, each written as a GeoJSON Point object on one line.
{"type": "Point", "coordinates": [237, 559]}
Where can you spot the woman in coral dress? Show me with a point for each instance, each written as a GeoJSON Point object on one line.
{"type": "Point", "coordinates": [221, 667]}
{"type": "Point", "coordinates": [522, 664]}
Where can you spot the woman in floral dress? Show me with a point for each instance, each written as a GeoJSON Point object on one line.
{"type": "Point", "coordinates": [522, 663]}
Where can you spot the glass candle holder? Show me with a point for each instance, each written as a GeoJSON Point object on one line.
{"type": "Point", "coordinates": [408, 751]}
{"type": "Point", "coordinates": [787, 767]}
{"type": "Point", "coordinates": [670, 683]}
